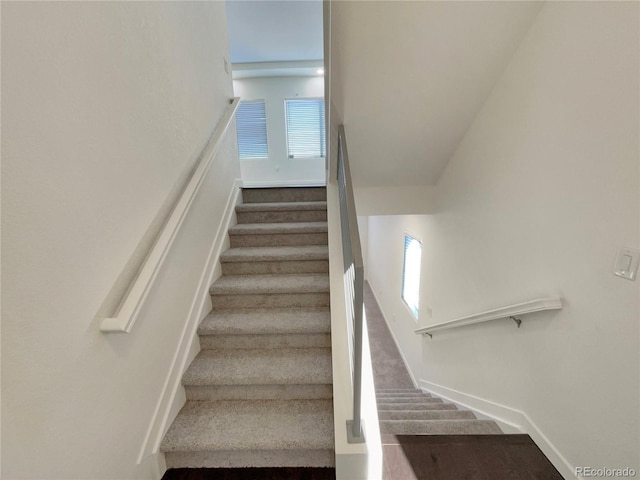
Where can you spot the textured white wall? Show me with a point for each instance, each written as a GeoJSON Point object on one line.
{"type": "Point", "coordinates": [278, 169]}
{"type": "Point", "coordinates": [536, 201]}
{"type": "Point", "coordinates": [410, 76]}
{"type": "Point", "coordinates": [394, 200]}
{"type": "Point", "coordinates": [105, 108]}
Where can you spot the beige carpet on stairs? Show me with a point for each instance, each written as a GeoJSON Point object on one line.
{"type": "Point", "coordinates": [403, 409]}
{"type": "Point", "coordinates": [259, 393]}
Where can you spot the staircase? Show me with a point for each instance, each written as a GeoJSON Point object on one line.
{"type": "Point", "coordinates": [259, 393]}
{"type": "Point", "coordinates": [413, 412]}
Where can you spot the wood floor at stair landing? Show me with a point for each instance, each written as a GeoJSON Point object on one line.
{"type": "Point", "coordinates": [457, 457]}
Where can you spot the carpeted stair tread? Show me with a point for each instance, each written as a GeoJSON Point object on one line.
{"type": "Point", "coordinates": [269, 254]}
{"type": "Point", "coordinates": [252, 425]}
{"type": "Point", "coordinates": [439, 427]}
{"type": "Point", "coordinates": [270, 284]}
{"type": "Point", "coordinates": [398, 390]}
{"type": "Point", "coordinates": [284, 194]}
{"type": "Point", "coordinates": [281, 212]}
{"type": "Point", "coordinates": [426, 415]}
{"type": "Point", "coordinates": [416, 400]}
{"type": "Point", "coordinates": [272, 234]}
{"type": "Point", "coordinates": [260, 366]}
{"type": "Point", "coordinates": [278, 228]}
{"type": "Point", "coordinates": [402, 394]}
{"type": "Point", "coordinates": [416, 406]}
{"type": "Point", "coordinates": [268, 321]}
{"type": "Point", "coordinates": [264, 341]}
{"type": "Point", "coordinates": [259, 392]}
{"type": "Point", "coordinates": [409, 411]}
{"type": "Point", "coordinates": [280, 206]}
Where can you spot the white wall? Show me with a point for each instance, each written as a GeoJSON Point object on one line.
{"type": "Point", "coordinates": [536, 201]}
{"type": "Point", "coordinates": [105, 108]}
{"type": "Point", "coordinates": [394, 200]}
{"type": "Point", "coordinates": [278, 169]}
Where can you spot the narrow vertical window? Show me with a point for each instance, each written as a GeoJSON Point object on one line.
{"type": "Point", "coordinates": [251, 124]}
{"type": "Point", "coordinates": [411, 274]}
{"type": "Point", "coordinates": [305, 127]}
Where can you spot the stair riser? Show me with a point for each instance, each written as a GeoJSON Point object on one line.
{"type": "Point", "coordinates": [278, 240]}
{"type": "Point", "coordinates": [250, 458]}
{"type": "Point", "coordinates": [274, 300]}
{"type": "Point", "coordinates": [427, 415]}
{"type": "Point", "coordinates": [257, 322]}
{"type": "Point", "coordinates": [401, 392]}
{"type": "Point", "coordinates": [398, 390]}
{"type": "Point", "coordinates": [415, 406]}
{"type": "Point", "coordinates": [403, 395]}
{"type": "Point", "coordinates": [265, 268]}
{"type": "Point", "coordinates": [230, 342]}
{"type": "Point", "coordinates": [258, 392]}
{"type": "Point", "coordinates": [281, 330]}
{"type": "Point", "coordinates": [410, 400]}
{"type": "Point", "coordinates": [269, 195]}
{"type": "Point", "coordinates": [440, 427]}
{"type": "Point", "coordinates": [286, 216]}
{"type": "Point", "coordinates": [283, 366]}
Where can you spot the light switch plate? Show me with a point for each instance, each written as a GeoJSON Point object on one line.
{"type": "Point", "coordinates": [627, 263]}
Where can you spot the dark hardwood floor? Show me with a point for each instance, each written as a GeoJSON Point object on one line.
{"type": "Point", "coordinates": [464, 457]}
{"type": "Point", "coordinates": [250, 474]}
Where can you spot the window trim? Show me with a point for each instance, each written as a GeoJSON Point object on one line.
{"type": "Point", "coordinates": [266, 130]}
{"type": "Point", "coordinates": [322, 132]}
{"type": "Point", "coordinates": [415, 313]}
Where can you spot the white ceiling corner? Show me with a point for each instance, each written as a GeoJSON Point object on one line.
{"type": "Point", "coordinates": [412, 75]}
{"type": "Point", "coordinates": [262, 31]}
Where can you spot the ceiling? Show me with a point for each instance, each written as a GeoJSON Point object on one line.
{"type": "Point", "coordinates": [275, 37]}
{"type": "Point", "coordinates": [409, 77]}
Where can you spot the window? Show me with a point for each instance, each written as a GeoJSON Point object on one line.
{"type": "Point", "coordinates": [411, 274]}
{"type": "Point", "coordinates": [305, 127]}
{"type": "Point", "coordinates": [251, 124]}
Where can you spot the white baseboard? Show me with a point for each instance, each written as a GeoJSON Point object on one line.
{"type": "Point", "coordinates": [509, 419]}
{"type": "Point", "coordinates": [406, 364]}
{"type": "Point", "coordinates": [172, 396]}
{"type": "Point", "coordinates": [283, 183]}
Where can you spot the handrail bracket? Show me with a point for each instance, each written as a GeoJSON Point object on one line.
{"type": "Point", "coordinates": [514, 312]}
{"type": "Point", "coordinates": [517, 320]}
{"type": "Point", "coordinates": [355, 437]}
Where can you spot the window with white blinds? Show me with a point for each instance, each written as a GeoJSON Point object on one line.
{"type": "Point", "coordinates": [411, 274]}
{"type": "Point", "coordinates": [251, 125]}
{"type": "Point", "coordinates": [305, 127]}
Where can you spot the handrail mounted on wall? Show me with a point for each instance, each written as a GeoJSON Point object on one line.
{"type": "Point", "coordinates": [138, 291]}
{"type": "Point", "coordinates": [510, 311]}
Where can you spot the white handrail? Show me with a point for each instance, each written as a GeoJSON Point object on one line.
{"type": "Point", "coordinates": [133, 300]}
{"type": "Point", "coordinates": [538, 305]}
{"type": "Point", "coordinates": [354, 281]}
